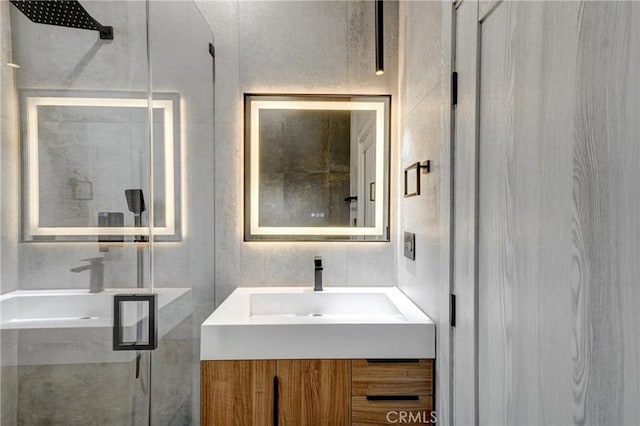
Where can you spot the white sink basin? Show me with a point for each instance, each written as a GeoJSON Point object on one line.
{"type": "Point", "coordinates": [340, 322]}
{"type": "Point", "coordinates": [349, 306]}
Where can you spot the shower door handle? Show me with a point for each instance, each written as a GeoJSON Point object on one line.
{"type": "Point", "coordinates": [127, 317]}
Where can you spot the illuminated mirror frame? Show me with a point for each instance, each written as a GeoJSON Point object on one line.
{"type": "Point", "coordinates": [169, 103]}
{"type": "Point", "coordinates": [380, 104]}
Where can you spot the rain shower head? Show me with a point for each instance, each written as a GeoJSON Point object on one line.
{"type": "Point", "coordinates": [63, 13]}
{"type": "Point", "coordinates": [135, 201]}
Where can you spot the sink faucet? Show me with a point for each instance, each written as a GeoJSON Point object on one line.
{"type": "Point", "coordinates": [96, 266]}
{"type": "Point", "coordinates": [318, 272]}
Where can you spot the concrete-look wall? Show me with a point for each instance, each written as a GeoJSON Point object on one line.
{"type": "Point", "coordinates": [291, 47]}
{"type": "Point", "coordinates": [424, 135]}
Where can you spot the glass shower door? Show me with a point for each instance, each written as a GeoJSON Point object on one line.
{"type": "Point", "coordinates": [182, 68]}
{"type": "Point", "coordinates": [77, 198]}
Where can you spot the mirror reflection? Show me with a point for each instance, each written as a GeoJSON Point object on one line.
{"type": "Point", "coordinates": [81, 156]}
{"type": "Point", "coordinates": [317, 167]}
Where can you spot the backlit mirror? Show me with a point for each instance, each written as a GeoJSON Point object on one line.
{"type": "Point", "coordinates": [317, 167]}
{"type": "Point", "coordinates": [83, 150]}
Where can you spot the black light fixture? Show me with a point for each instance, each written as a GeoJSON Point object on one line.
{"type": "Point", "coordinates": [379, 39]}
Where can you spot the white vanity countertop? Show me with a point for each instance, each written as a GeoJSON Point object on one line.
{"type": "Point", "coordinates": [296, 322]}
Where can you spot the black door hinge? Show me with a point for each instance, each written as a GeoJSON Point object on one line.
{"type": "Point", "coordinates": [452, 304]}
{"type": "Point", "coordinates": [454, 88]}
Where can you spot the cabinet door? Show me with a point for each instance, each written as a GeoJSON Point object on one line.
{"type": "Point", "coordinates": [314, 392]}
{"type": "Point", "coordinates": [237, 393]}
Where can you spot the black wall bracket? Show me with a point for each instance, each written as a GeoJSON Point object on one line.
{"type": "Point", "coordinates": [424, 167]}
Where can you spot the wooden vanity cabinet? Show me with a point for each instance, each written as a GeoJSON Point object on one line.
{"type": "Point", "coordinates": [299, 392]}
{"type": "Point", "coordinates": [314, 392]}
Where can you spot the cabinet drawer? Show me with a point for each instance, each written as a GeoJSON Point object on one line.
{"type": "Point", "coordinates": [365, 412]}
{"type": "Point", "coordinates": [392, 377]}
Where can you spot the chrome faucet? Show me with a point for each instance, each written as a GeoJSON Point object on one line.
{"type": "Point", "coordinates": [96, 266]}
{"type": "Point", "coordinates": [318, 273]}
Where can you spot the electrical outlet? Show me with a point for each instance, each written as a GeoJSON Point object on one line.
{"type": "Point", "coordinates": [410, 245]}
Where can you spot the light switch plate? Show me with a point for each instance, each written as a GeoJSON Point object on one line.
{"type": "Point", "coordinates": [410, 245]}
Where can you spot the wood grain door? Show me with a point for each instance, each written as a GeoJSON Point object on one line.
{"type": "Point", "coordinates": [526, 64]}
{"type": "Point", "coordinates": [555, 214]}
{"type": "Point", "coordinates": [314, 392]}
